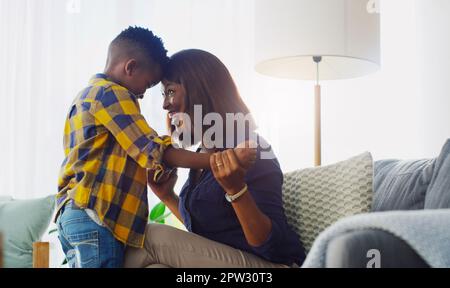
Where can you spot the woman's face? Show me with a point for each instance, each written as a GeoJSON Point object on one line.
{"type": "Point", "coordinates": [174, 95]}
{"type": "Point", "coordinates": [174, 102]}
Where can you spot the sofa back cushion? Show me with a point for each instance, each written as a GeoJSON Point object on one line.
{"type": "Point", "coordinates": [438, 193]}
{"type": "Point", "coordinates": [401, 184]}
{"type": "Point", "coordinates": [315, 198]}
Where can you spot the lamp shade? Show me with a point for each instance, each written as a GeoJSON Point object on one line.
{"type": "Point", "coordinates": [288, 33]}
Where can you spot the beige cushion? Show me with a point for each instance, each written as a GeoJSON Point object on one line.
{"type": "Point", "coordinates": [315, 198]}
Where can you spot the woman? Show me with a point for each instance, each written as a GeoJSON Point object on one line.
{"type": "Point", "coordinates": [250, 231]}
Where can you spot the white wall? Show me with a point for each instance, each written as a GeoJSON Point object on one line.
{"type": "Point", "coordinates": [433, 43]}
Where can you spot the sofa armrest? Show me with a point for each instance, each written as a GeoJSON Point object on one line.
{"type": "Point", "coordinates": [356, 250]}
{"type": "Point", "coordinates": [41, 255]}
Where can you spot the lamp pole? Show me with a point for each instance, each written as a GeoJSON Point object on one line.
{"type": "Point", "coordinates": [317, 117]}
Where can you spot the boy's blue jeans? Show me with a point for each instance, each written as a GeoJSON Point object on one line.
{"type": "Point", "coordinates": [85, 243]}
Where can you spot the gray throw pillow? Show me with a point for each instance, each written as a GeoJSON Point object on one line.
{"type": "Point", "coordinates": [315, 198]}
{"type": "Point", "coordinates": [438, 193]}
{"type": "Point", "coordinates": [401, 184]}
{"type": "Point", "coordinates": [23, 222]}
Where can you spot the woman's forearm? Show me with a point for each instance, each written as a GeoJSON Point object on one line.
{"type": "Point", "coordinates": [171, 202]}
{"type": "Point", "coordinates": [255, 224]}
{"type": "Point", "coordinates": [186, 159]}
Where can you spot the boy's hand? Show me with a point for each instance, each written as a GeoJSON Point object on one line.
{"type": "Point", "coordinates": [246, 154]}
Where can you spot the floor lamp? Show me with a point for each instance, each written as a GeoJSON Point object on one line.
{"type": "Point", "coordinates": [316, 40]}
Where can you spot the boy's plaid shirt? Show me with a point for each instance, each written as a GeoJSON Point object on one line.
{"type": "Point", "coordinates": [108, 146]}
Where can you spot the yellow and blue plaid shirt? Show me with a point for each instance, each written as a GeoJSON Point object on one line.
{"type": "Point", "coordinates": [108, 146]}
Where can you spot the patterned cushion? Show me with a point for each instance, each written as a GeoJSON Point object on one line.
{"type": "Point", "coordinates": [315, 198]}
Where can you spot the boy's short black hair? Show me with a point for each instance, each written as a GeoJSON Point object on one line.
{"type": "Point", "coordinates": [144, 41]}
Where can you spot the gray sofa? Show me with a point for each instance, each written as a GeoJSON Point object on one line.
{"type": "Point", "coordinates": [398, 185]}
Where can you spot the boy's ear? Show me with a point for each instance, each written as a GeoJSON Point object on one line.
{"type": "Point", "coordinates": [130, 67]}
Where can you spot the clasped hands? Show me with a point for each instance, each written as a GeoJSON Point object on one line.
{"type": "Point", "coordinates": [229, 168]}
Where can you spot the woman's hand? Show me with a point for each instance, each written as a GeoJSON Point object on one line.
{"type": "Point", "coordinates": [163, 189]}
{"type": "Point", "coordinates": [231, 176]}
{"type": "Point", "coordinates": [227, 171]}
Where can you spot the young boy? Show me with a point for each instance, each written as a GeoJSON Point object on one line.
{"type": "Point", "coordinates": [102, 199]}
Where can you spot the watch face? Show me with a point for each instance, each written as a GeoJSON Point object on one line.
{"type": "Point", "coordinates": [228, 198]}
